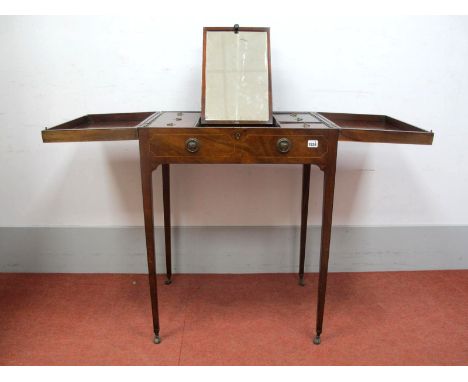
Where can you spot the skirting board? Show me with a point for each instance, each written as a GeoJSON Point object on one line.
{"type": "Point", "coordinates": [231, 249]}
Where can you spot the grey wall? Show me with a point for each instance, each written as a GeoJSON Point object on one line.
{"type": "Point", "coordinates": [232, 249]}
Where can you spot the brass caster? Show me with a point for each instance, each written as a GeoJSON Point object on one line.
{"type": "Point", "coordinates": [317, 340]}
{"type": "Point", "coordinates": [301, 281]}
{"type": "Point", "coordinates": [168, 281]}
{"type": "Point", "coordinates": [157, 340]}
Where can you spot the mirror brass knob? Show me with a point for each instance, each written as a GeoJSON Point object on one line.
{"type": "Point", "coordinates": [192, 145]}
{"type": "Point", "coordinates": [283, 145]}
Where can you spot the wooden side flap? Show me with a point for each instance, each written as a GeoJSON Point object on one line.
{"type": "Point", "coordinates": [376, 128]}
{"type": "Point", "coordinates": [97, 127]}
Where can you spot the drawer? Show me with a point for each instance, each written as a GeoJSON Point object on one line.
{"type": "Point", "coordinates": [285, 145]}
{"type": "Point", "coordinates": [193, 144]}
{"type": "Point", "coordinates": [239, 145]}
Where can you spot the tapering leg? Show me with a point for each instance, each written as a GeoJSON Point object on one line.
{"type": "Point", "coordinates": [304, 214]}
{"type": "Point", "coordinates": [147, 188]}
{"type": "Point", "coordinates": [167, 220]}
{"type": "Point", "coordinates": [327, 212]}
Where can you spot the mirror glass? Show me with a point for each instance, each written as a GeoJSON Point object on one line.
{"type": "Point", "coordinates": [236, 76]}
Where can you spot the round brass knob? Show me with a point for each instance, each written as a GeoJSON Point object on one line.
{"type": "Point", "coordinates": [283, 145]}
{"type": "Point", "coordinates": [192, 145]}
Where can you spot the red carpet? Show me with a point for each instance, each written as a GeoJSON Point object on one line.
{"type": "Point", "coordinates": [388, 318]}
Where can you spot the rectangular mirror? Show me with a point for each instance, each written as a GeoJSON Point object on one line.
{"type": "Point", "coordinates": [236, 78]}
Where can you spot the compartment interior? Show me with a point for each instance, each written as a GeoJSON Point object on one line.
{"type": "Point", "coordinates": [368, 122]}
{"type": "Point", "coordinates": [105, 121]}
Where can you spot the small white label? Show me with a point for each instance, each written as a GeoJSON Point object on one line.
{"type": "Point", "coordinates": [312, 143]}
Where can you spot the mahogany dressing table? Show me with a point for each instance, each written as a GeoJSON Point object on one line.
{"type": "Point", "coordinates": [237, 126]}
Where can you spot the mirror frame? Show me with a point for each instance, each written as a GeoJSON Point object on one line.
{"type": "Point", "coordinates": [270, 102]}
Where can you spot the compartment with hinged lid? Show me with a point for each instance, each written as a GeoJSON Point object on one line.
{"type": "Point", "coordinates": [97, 127]}
{"type": "Point", "coordinates": [376, 128]}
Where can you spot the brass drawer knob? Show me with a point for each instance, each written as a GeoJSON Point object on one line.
{"type": "Point", "coordinates": [283, 145]}
{"type": "Point", "coordinates": [192, 145]}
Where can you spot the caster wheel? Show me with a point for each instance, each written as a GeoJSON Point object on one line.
{"type": "Point", "coordinates": [317, 340]}
{"type": "Point", "coordinates": [168, 282]}
{"type": "Point", "coordinates": [301, 281]}
{"type": "Point", "coordinates": [157, 340]}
